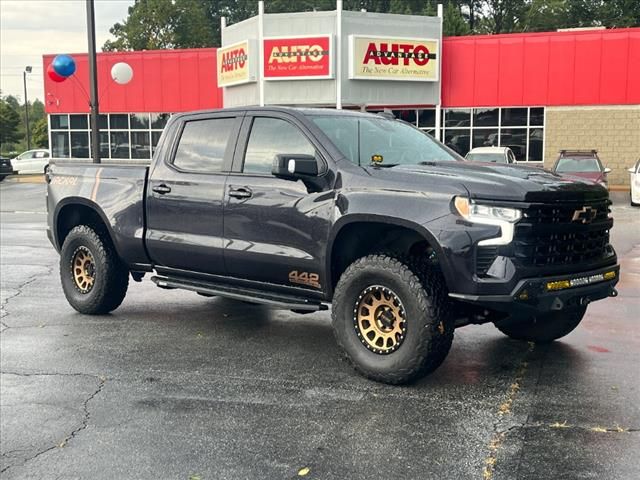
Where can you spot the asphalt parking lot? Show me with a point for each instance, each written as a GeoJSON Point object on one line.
{"type": "Point", "coordinates": [176, 386]}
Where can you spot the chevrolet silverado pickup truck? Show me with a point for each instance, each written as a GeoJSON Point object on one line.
{"type": "Point", "coordinates": [301, 208]}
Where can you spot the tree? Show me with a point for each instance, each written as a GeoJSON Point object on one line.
{"type": "Point", "coordinates": [620, 13]}
{"type": "Point", "coordinates": [163, 24]}
{"type": "Point", "coordinates": [453, 23]}
{"type": "Point", "coordinates": [13, 102]}
{"type": "Point", "coordinates": [504, 16]}
{"type": "Point", "coordinates": [40, 134]}
{"type": "Point", "coordinates": [9, 124]}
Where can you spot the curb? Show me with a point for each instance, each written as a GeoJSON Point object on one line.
{"type": "Point", "coordinates": [34, 178]}
{"type": "Point", "coordinates": [619, 188]}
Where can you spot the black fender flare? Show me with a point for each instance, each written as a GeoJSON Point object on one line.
{"type": "Point", "coordinates": [374, 218]}
{"type": "Point", "coordinates": [65, 202]}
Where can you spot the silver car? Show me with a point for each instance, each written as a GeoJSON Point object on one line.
{"type": "Point", "coordinates": [491, 155]}
{"type": "Point", "coordinates": [31, 161]}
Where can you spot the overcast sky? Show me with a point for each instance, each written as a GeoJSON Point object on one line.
{"type": "Point", "coordinates": [31, 28]}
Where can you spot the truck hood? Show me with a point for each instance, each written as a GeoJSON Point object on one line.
{"type": "Point", "coordinates": [493, 181]}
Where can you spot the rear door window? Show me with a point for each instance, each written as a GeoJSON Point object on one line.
{"type": "Point", "coordinates": [203, 144]}
{"type": "Point", "coordinates": [270, 137]}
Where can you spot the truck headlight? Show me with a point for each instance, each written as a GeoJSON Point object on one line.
{"type": "Point", "coordinates": [503, 217]}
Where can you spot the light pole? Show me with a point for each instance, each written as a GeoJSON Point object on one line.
{"type": "Point", "coordinates": [27, 69]}
{"type": "Point", "coordinates": [93, 81]}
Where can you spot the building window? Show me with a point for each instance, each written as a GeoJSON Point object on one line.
{"type": "Point", "coordinates": [60, 144]}
{"type": "Point", "coordinates": [406, 115]}
{"type": "Point", "coordinates": [122, 136]}
{"type": "Point", "coordinates": [159, 120]}
{"type": "Point", "coordinates": [80, 144]}
{"type": "Point", "coordinates": [120, 145]}
{"type": "Point", "coordinates": [520, 128]}
{"type": "Point", "coordinates": [486, 117]}
{"type": "Point", "coordinates": [78, 122]}
{"type": "Point", "coordinates": [427, 120]}
{"type": "Point", "coordinates": [59, 122]}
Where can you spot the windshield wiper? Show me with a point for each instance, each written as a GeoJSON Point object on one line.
{"type": "Point", "coordinates": [383, 165]}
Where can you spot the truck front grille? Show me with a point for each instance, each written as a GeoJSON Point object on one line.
{"type": "Point", "coordinates": [555, 235]}
{"type": "Point", "coordinates": [563, 214]}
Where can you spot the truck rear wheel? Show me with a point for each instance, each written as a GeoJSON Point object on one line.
{"type": "Point", "coordinates": [94, 279]}
{"type": "Point", "coordinates": [546, 327]}
{"type": "Point", "coordinates": [390, 318]}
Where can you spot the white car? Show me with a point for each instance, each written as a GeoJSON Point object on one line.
{"type": "Point", "coordinates": [491, 154]}
{"type": "Point", "coordinates": [635, 184]}
{"type": "Point", "coordinates": [31, 161]}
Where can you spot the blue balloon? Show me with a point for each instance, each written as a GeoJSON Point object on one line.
{"type": "Point", "coordinates": [64, 65]}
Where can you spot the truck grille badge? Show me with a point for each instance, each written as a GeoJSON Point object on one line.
{"type": "Point", "coordinates": [584, 215]}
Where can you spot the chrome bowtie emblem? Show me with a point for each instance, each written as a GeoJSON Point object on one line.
{"type": "Point", "coordinates": [584, 215]}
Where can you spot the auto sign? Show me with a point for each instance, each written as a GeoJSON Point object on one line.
{"type": "Point", "coordinates": [296, 58]}
{"type": "Point", "coordinates": [386, 58]}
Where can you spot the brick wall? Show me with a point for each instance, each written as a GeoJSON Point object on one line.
{"type": "Point", "coordinates": [613, 131]}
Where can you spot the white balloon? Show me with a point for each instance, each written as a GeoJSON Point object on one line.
{"type": "Point", "coordinates": [121, 73]}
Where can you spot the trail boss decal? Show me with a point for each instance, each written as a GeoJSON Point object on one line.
{"type": "Point", "coordinates": [305, 278]}
{"type": "Point", "coordinates": [235, 65]}
{"type": "Point", "coordinates": [385, 58]}
{"type": "Point", "coordinates": [298, 58]}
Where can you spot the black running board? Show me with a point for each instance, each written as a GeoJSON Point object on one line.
{"type": "Point", "coordinates": [279, 300]}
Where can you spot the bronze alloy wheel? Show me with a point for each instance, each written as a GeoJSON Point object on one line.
{"type": "Point", "coordinates": [379, 319]}
{"type": "Point", "coordinates": [83, 268]}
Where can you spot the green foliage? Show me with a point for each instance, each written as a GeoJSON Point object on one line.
{"type": "Point", "coordinates": [13, 128]}
{"type": "Point", "coordinates": [620, 13]}
{"type": "Point", "coordinates": [502, 16]}
{"type": "Point", "coordinates": [9, 125]}
{"type": "Point", "coordinates": [453, 23]}
{"type": "Point", "coordinates": [39, 134]}
{"type": "Point", "coordinates": [163, 24]}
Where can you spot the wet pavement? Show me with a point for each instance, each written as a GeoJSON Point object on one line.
{"type": "Point", "coordinates": [173, 385]}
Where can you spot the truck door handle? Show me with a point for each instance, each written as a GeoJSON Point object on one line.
{"type": "Point", "coordinates": [162, 189]}
{"type": "Point", "coordinates": [242, 192]}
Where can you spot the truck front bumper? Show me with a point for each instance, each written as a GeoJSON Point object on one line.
{"type": "Point", "coordinates": [545, 294]}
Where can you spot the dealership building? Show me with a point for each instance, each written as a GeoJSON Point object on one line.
{"type": "Point", "coordinates": [536, 93]}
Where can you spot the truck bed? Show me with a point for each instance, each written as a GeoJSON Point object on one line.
{"type": "Point", "coordinates": [115, 191]}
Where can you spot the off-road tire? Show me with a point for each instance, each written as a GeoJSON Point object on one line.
{"type": "Point", "coordinates": [111, 274]}
{"type": "Point", "coordinates": [429, 331]}
{"type": "Point", "coordinates": [545, 328]}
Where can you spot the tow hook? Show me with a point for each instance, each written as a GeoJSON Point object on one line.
{"type": "Point", "coordinates": [613, 292]}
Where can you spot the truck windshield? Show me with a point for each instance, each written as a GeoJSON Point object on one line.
{"type": "Point", "coordinates": [380, 141]}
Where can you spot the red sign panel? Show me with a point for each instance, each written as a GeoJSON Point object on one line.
{"type": "Point", "coordinates": [298, 58]}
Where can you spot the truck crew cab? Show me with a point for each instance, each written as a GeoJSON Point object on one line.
{"type": "Point", "coordinates": [299, 208]}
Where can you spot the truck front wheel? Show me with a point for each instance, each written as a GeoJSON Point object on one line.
{"type": "Point", "coordinates": [546, 327]}
{"type": "Point", "coordinates": [94, 279]}
{"type": "Point", "coordinates": [390, 318]}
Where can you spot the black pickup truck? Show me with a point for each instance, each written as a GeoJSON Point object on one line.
{"type": "Point", "coordinates": [299, 208]}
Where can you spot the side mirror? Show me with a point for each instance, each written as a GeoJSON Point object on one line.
{"type": "Point", "coordinates": [631, 170]}
{"type": "Point", "coordinates": [294, 165]}
{"type": "Point", "coordinates": [607, 170]}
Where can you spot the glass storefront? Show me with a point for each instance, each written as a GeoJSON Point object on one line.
{"type": "Point", "coordinates": [122, 136]}
{"type": "Point", "coordinates": [135, 135]}
{"type": "Point", "coordinates": [520, 128]}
